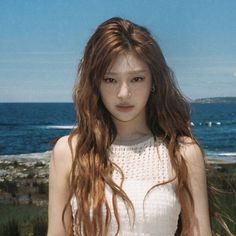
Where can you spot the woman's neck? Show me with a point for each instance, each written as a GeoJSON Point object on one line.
{"type": "Point", "coordinates": [128, 131]}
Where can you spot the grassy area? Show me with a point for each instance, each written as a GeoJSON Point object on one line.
{"type": "Point", "coordinates": [25, 218]}
{"type": "Point", "coordinates": [20, 212]}
{"type": "Point", "coordinates": [223, 199]}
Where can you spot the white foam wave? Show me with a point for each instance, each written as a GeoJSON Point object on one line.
{"type": "Point", "coordinates": [59, 127]}
{"type": "Point", "coordinates": [227, 154]}
{"type": "Point", "coordinates": [207, 123]}
{"type": "Point", "coordinates": [226, 157]}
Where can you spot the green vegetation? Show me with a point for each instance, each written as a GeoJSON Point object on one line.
{"type": "Point", "coordinates": [222, 179]}
{"type": "Point", "coordinates": [9, 187]}
{"type": "Point", "coordinates": [40, 226]}
{"type": "Point", "coordinates": [23, 220]}
{"type": "Point", "coordinates": [11, 228]}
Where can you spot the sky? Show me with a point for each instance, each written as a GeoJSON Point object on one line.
{"type": "Point", "coordinates": [42, 41]}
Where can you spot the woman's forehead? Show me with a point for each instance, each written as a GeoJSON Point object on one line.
{"type": "Point", "coordinates": [128, 63]}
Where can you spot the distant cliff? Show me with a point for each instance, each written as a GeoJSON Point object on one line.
{"type": "Point", "coordinates": [215, 100]}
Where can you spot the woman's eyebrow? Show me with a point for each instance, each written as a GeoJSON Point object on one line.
{"type": "Point", "coordinates": [128, 72]}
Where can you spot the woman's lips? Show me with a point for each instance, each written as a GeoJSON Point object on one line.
{"type": "Point", "coordinates": [124, 108]}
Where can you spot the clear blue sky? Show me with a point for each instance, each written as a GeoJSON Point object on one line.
{"type": "Point", "coordinates": [41, 42]}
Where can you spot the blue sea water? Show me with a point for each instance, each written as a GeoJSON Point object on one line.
{"type": "Point", "coordinates": [214, 125]}
{"type": "Point", "coordinates": [30, 127]}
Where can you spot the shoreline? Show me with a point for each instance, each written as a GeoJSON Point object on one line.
{"type": "Point", "coordinates": [39, 156]}
{"type": "Point", "coordinates": [27, 156]}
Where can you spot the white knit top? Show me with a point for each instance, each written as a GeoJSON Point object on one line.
{"type": "Point", "coordinates": [144, 164]}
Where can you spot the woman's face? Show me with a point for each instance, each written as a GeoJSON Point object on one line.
{"type": "Point", "coordinates": [126, 87]}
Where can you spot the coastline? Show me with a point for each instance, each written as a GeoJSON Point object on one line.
{"type": "Point", "coordinates": [45, 156]}
{"type": "Point", "coordinates": [34, 167]}
{"type": "Point", "coordinates": [27, 156]}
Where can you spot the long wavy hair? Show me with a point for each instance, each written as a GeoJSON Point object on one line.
{"type": "Point", "coordinates": [167, 114]}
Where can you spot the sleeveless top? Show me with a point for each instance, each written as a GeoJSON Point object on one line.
{"type": "Point", "coordinates": [144, 164]}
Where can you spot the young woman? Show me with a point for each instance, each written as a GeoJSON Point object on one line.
{"type": "Point", "coordinates": [131, 166]}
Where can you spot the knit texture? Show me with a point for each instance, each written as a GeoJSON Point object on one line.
{"type": "Point", "coordinates": [144, 164]}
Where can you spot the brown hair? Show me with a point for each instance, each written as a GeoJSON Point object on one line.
{"type": "Point", "coordinates": [168, 117]}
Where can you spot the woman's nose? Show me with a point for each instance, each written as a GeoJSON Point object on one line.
{"type": "Point", "coordinates": [124, 91]}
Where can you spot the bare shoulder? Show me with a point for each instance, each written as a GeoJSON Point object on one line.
{"type": "Point", "coordinates": [59, 187]}
{"type": "Point", "coordinates": [191, 152]}
{"type": "Point", "coordinates": [195, 161]}
{"type": "Point", "coordinates": [61, 155]}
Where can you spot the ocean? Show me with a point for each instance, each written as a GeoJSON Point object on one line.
{"type": "Point", "coordinates": [32, 127]}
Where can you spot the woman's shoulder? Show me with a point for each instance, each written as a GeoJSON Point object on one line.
{"type": "Point", "coordinates": [62, 155]}
{"type": "Point", "coordinates": [62, 144]}
{"type": "Point", "coordinates": [191, 151]}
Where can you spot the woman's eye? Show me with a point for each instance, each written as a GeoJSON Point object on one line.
{"type": "Point", "coordinates": [136, 79]}
{"type": "Point", "coordinates": [109, 80]}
